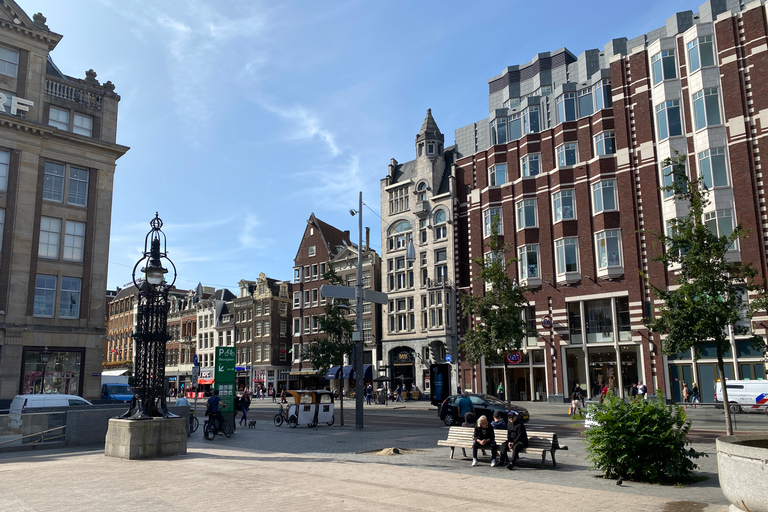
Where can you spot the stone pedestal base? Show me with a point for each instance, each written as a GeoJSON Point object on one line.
{"type": "Point", "coordinates": [742, 463]}
{"type": "Point", "coordinates": [146, 439]}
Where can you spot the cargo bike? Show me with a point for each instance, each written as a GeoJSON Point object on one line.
{"type": "Point", "coordinates": [308, 407]}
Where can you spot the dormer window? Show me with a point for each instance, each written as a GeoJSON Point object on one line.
{"type": "Point", "coordinates": [421, 191]}
{"type": "Point", "coordinates": [430, 149]}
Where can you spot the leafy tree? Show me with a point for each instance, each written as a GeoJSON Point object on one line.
{"type": "Point", "coordinates": [330, 350]}
{"type": "Point", "coordinates": [711, 288]}
{"type": "Point", "coordinates": [643, 441]}
{"type": "Point", "coordinates": [500, 326]}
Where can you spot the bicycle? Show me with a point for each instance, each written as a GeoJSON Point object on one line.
{"type": "Point", "coordinates": [211, 427]}
{"type": "Point", "coordinates": [193, 421]}
{"type": "Point", "coordinates": [282, 416]}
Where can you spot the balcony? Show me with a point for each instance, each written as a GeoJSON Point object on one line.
{"type": "Point", "coordinates": [72, 93]}
{"type": "Point", "coordinates": [438, 282]}
{"type": "Point", "coordinates": [421, 208]}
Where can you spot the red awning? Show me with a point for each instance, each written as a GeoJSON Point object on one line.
{"type": "Point", "coordinates": [205, 381]}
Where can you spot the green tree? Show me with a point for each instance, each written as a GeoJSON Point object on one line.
{"type": "Point", "coordinates": [500, 326]}
{"type": "Point", "coordinates": [709, 296]}
{"type": "Point", "coordinates": [330, 350]}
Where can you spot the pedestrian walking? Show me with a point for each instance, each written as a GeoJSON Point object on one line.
{"type": "Point", "coordinates": [686, 394]}
{"type": "Point", "coordinates": [500, 391]}
{"type": "Point", "coordinates": [695, 396]}
{"type": "Point", "coordinates": [245, 404]}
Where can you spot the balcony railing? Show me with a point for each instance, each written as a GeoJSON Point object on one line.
{"type": "Point", "coordinates": [71, 93]}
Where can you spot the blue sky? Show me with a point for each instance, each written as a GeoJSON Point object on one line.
{"type": "Point", "coordinates": [243, 116]}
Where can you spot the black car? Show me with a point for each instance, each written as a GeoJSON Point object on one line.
{"type": "Point", "coordinates": [484, 405]}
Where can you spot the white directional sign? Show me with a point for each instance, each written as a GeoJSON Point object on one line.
{"type": "Point", "coordinates": [374, 296]}
{"type": "Point", "coordinates": [337, 292]}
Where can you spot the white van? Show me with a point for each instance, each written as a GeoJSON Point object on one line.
{"type": "Point", "coordinates": [744, 394]}
{"type": "Point", "coordinates": [22, 403]}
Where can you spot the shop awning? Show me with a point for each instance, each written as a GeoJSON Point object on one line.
{"type": "Point", "coordinates": [346, 372]}
{"type": "Point", "coordinates": [333, 372]}
{"type": "Point", "coordinates": [367, 371]}
{"type": "Point", "coordinates": [205, 381]}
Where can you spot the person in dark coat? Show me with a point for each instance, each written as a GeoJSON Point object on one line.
{"type": "Point", "coordinates": [517, 438]}
{"type": "Point", "coordinates": [484, 438]}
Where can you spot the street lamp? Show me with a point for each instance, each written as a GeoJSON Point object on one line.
{"type": "Point", "coordinates": [151, 328]}
{"type": "Point", "coordinates": [410, 256]}
{"type": "Point", "coordinates": [45, 356]}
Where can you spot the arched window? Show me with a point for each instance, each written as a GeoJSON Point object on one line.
{"type": "Point", "coordinates": [421, 191]}
{"type": "Point", "coordinates": [398, 234]}
{"type": "Point", "coordinates": [441, 225]}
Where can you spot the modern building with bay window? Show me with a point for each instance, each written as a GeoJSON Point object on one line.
{"type": "Point", "coordinates": [58, 154]}
{"type": "Point", "coordinates": [572, 159]}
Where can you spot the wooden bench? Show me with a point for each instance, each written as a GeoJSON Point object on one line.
{"type": "Point", "coordinates": [462, 437]}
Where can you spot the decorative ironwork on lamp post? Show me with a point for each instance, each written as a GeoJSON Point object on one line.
{"type": "Point", "coordinates": [151, 328]}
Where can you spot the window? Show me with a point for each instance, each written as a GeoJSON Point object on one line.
{"type": "Point", "coordinates": [83, 125]}
{"type": "Point", "coordinates": [528, 258]}
{"type": "Point", "coordinates": [307, 275]}
{"type": "Point", "coordinates": [497, 175]}
{"type": "Point", "coordinates": [297, 326]}
{"type": "Point", "coordinates": [306, 325]}
{"type": "Point", "coordinates": [713, 168]}
{"type": "Point", "coordinates": [367, 331]}
{"type": "Point", "coordinates": [398, 235]}
{"type": "Point", "coordinates": [668, 119]}
{"type": "Point", "coordinates": [441, 269]}
{"type": "Point", "coordinates": [526, 214]}
{"type": "Point", "coordinates": [257, 329]}
{"type": "Point", "coordinates": [45, 295]}
{"type": "Point", "coordinates": [78, 186]}
{"type": "Point", "coordinates": [5, 161]}
{"type": "Point", "coordinates": [489, 216]}
{"type": "Point", "coordinates": [422, 231]}
{"type": "Point", "coordinates": [531, 119]}
{"type": "Point", "coordinates": [605, 143]}
{"type": "Point", "coordinates": [296, 352]}
{"type": "Point", "coordinates": [608, 248]}
{"type": "Point", "coordinates": [315, 297]}
{"type": "Point", "coordinates": [585, 102]}
{"type": "Point", "coordinates": [398, 200]}
{"type": "Point", "coordinates": [663, 66]}
{"type": "Point", "coordinates": [720, 223]}
{"type": "Point", "coordinates": [74, 240]}
{"type": "Point", "coordinates": [564, 205]}
{"type": "Point", "coordinates": [604, 196]}
{"type": "Point", "coordinates": [283, 309]}
{"type": "Point", "coordinates": [314, 272]}
{"type": "Point", "coordinates": [266, 327]}
{"type": "Point", "coordinates": [441, 231]}
{"type": "Point", "coordinates": [701, 53]}
{"type": "Point", "coordinates": [435, 309]}
{"type": "Point", "coordinates": [59, 118]}
{"type": "Point", "coordinates": [297, 274]}
{"type": "Point", "coordinates": [515, 126]}
{"type": "Point", "coordinates": [311, 251]}
{"type": "Point", "coordinates": [69, 303]}
{"type": "Point", "coordinates": [567, 154]}
{"type": "Point", "coordinates": [603, 98]}
{"type": "Point", "coordinates": [307, 298]}
{"type": "Point", "coordinates": [50, 234]}
{"type": "Point", "coordinates": [53, 186]}
{"type": "Point", "coordinates": [531, 164]}
{"type": "Point", "coordinates": [567, 255]}
{"type": "Point", "coordinates": [499, 131]}
{"type": "Point", "coordinates": [671, 181]}
{"type": "Point", "coordinates": [296, 300]}
{"type": "Point", "coordinates": [706, 108]}
{"type": "Point", "coordinates": [9, 61]}
{"type": "Point", "coordinates": [283, 327]}
{"type": "Point", "coordinates": [566, 107]}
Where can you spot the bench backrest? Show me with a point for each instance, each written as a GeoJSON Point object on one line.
{"type": "Point", "coordinates": [534, 437]}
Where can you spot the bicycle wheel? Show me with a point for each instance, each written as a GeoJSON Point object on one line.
{"type": "Point", "coordinates": [330, 423]}
{"type": "Point", "coordinates": [208, 431]}
{"type": "Point", "coordinates": [312, 424]}
{"type": "Point", "coordinates": [293, 421]}
{"type": "Point", "coordinates": [193, 423]}
{"type": "Point", "coordinates": [278, 419]}
{"type": "Point", "coordinates": [226, 428]}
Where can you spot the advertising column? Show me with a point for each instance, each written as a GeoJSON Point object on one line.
{"type": "Point", "coordinates": [225, 381]}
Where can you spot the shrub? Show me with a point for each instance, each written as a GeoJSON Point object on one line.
{"type": "Point", "coordinates": [642, 441]}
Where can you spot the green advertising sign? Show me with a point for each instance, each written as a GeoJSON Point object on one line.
{"type": "Point", "coordinates": [224, 376]}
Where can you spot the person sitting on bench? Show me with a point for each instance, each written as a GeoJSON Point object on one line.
{"type": "Point", "coordinates": [484, 438]}
{"type": "Point", "coordinates": [517, 438]}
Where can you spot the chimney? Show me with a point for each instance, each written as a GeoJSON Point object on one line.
{"type": "Point", "coordinates": [367, 238]}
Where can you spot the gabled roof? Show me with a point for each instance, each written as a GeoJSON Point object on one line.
{"type": "Point", "coordinates": [333, 238]}
{"type": "Point", "coordinates": [13, 17]}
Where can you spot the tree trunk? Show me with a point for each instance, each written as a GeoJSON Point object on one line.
{"type": "Point", "coordinates": [721, 370]}
{"type": "Point", "coordinates": [506, 388]}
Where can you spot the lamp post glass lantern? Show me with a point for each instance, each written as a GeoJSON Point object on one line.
{"type": "Point", "coordinates": [151, 328]}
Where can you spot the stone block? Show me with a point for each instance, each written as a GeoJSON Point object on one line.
{"type": "Point", "coordinates": [146, 439]}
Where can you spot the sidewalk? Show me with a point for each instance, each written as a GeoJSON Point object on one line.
{"type": "Point", "coordinates": [331, 467]}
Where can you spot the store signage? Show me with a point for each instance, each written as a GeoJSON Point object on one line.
{"type": "Point", "coordinates": [16, 104]}
{"type": "Point", "coordinates": [546, 322]}
{"type": "Point", "coordinates": [514, 357]}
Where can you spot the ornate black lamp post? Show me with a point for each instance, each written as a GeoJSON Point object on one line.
{"type": "Point", "coordinates": [151, 329]}
{"type": "Point", "coordinates": [45, 356]}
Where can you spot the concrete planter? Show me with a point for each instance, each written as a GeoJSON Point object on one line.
{"type": "Point", "coordinates": [742, 463]}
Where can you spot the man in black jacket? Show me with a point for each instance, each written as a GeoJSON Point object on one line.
{"type": "Point", "coordinates": [517, 438]}
{"type": "Point", "coordinates": [484, 438]}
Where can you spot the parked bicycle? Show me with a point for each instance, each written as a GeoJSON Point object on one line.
{"type": "Point", "coordinates": [193, 421]}
{"type": "Point", "coordinates": [214, 425]}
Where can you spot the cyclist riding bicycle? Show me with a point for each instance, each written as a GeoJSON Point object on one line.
{"type": "Point", "coordinates": [214, 411]}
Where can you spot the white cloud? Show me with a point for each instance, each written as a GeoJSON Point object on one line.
{"type": "Point", "coordinates": [309, 124]}
{"type": "Point", "coordinates": [248, 236]}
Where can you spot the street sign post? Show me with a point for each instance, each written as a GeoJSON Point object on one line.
{"type": "Point", "coordinates": [224, 377]}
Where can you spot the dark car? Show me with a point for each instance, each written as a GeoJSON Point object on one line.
{"type": "Point", "coordinates": [485, 405]}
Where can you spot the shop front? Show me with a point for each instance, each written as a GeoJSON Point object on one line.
{"type": "Point", "coordinates": [402, 360]}
{"type": "Point", "coordinates": [526, 376]}
{"type": "Point", "coordinates": [52, 370]}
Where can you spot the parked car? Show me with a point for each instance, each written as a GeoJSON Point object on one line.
{"type": "Point", "coordinates": [22, 403]}
{"type": "Point", "coordinates": [748, 395]}
{"type": "Point", "coordinates": [483, 404]}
